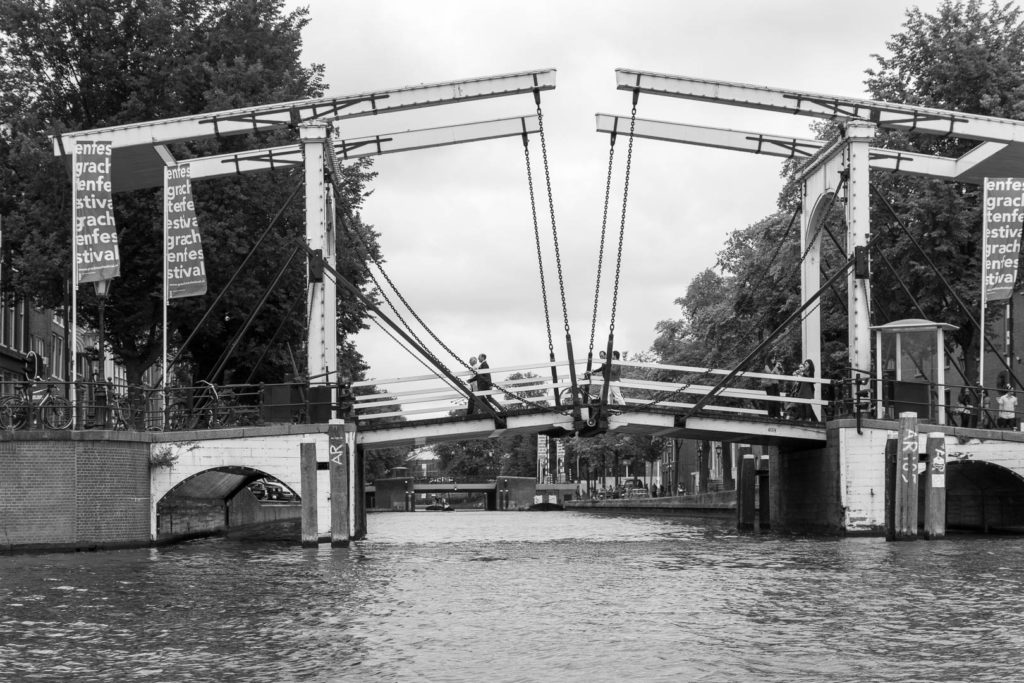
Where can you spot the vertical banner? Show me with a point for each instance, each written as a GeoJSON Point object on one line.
{"type": "Point", "coordinates": [95, 244]}
{"type": "Point", "coordinates": [184, 268]}
{"type": "Point", "coordinates": [1003, 220]}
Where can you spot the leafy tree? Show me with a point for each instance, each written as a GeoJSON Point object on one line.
{"type": "Point", "coordinates": [541, 396]}
{"type": "Point", "coordinates": [68, 65]}
{"type": "Point", "coordinates": [969, 57]}
{"type": "Point", "coordinates": [518, 455]}
{"type": "Point", "coordinates": [478, 458]}
{"type": "Point", "coordinates": [603, 455]}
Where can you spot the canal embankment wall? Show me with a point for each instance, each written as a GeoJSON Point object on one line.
{"type": "Point", "coordinates": [73, 491]}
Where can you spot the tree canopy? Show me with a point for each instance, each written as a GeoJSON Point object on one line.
{"type": "Point", "coordinates": [68, 65]}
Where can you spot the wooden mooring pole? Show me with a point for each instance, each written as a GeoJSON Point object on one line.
{"type": "Point", "coordinates": [935, 488]}
{"type": "Point", "coordinates": [307, 482]}
{"type": "Point", "coordinates": [763, 495]}
{"type": "Point", "coordinates": [904, 478]}
{"type": "Point", "coordinates": [338, 453]}
{"type": "Point", "coordinates": [746, 495]}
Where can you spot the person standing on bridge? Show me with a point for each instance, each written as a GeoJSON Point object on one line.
{"type": "Point", "coordinates": [1007, 409]}
{"type": "Point", "coordinates": [771, 385]}
{"type": "Point", "coordinates": [801, 411]}
{"type": "Point", "coordinates": [614, 376]}
{"type": "Point", "coordinates": [471, 406]}
{"type": "Point", "coordinates": [482, 382]}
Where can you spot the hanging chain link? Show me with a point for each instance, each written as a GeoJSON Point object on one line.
{"type": "Point", "coordinates": [350, 227]}
{"type": "Point", "coordinates": [551, 210]}
{"type": "Point", "coordinates": [536, 236]}
{"type": "Point", "coordinates": [600, 250]}
{"type": "Point", "coordinates": [622, 223]}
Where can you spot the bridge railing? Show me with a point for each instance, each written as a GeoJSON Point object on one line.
{"type": "Point", "coordinates": [655, 384]}
{"type": "Point", "coordinates": [427, 396]}
{"type": "Point", "coordinates": [112, 405]}
{"type": "Point", "coordinates": [667, 386]}
{"type": "Point", "coordinates": [960, 405]}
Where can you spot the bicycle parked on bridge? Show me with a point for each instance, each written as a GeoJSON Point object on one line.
{"type": "Point", "coordinates": [18, 410]}
{"type": "Point", "coordinates": [209, 409]}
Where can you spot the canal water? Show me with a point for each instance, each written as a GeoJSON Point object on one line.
{"type": "Point", "coordinates": [522, 596]}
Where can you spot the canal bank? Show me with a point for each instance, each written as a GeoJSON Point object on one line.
{"type": "Point", "coordinates": [723, 502]}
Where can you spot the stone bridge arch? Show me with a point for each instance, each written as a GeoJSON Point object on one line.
{"type": "Point", "coordinates": [984, 496]}
{"type": "Point", "coordinates": [211, 468]}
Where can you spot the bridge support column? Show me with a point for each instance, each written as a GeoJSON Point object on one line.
{"type": "Point", "coordinates": [322, 305]}
{"type": "Point", "coordinates": [901, 481]}
{"type": "Point", "coordinates": [859, 135]}
{"type": "Point", "coordinates": [745, 494]}
{"type": "Point", "coordinates": [935, 488]}
{"type": "Point", "coordinates": [307, 479]}
{"type": "Point", "coordinates": [823, 177]}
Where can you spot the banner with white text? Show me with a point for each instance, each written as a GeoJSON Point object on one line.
{"type": "Point", "coordinates": [95, 244]}
{"type": "Point", "coordinates": [185, 267]}
{"type": "Point", "coordinates": [1003, 221]}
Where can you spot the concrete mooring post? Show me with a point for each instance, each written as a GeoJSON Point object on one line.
{"type": "Point", "coordinates": [904, 481]}
{"type": "Point", "coordinates": [338, 453]}
{"type": "Point", "coordinates": [935, 487]}
{"type": "Point", "coordinates": [307, 482]}
{"type": "Point", "coordinates": [746, 494]}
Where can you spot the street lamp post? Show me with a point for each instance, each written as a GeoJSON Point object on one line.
{"type": "Point", "coordinates": [102, 292]}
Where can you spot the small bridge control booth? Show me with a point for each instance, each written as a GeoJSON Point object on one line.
{"type": "Point", "coordinates": [910, 369]}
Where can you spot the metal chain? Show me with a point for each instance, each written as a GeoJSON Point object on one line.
{"type": "Point", "coordinates": [368, 258]}
{"type": "Point", "coordinates": [600, 250]}
{"type": "Point", "coordinates": [365, 253]}
{"type": "Point", "coordinates": [551, 210]}
{"type": "Point", "coordinates": [536, 236]}
{"type": "Point", "coordinates": [335, 176]}
{"type": "Point", "coordinates": [622, 223]}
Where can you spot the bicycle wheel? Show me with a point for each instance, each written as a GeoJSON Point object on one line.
{"type": "Point", "coordinates": [121, 414]}
{"type": "Point", "coordinates": [179, 417]}
{"type": "Point", "coordinates": [220, 414]}
{"type": "Point", "coordinates": [56, 412]}
{"type": "Point", "coordinates": [13, 413]}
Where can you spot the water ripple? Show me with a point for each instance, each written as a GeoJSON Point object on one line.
{"type": "Point", "coordinates": [521, 597]}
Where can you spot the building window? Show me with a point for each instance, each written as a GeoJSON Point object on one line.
{"type": "Point", "coordinates": [8, 326]}
{"type": "Point", "coordinates": [57, 356]}
{"type": "Point", "coordinates": [19, 326]}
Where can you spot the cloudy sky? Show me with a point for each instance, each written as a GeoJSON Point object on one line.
{"type": "Point", "coordinates": [455, 222]}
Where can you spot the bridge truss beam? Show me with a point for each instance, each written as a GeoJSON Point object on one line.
{"type": "Point", "coordinates": [829, 166]}
{"type": "Point", "coordinates": [140, 155]}
{"type": "Point", "coordinates": [140, 150]}
{"type": "Point", "coordinates": [905, 117]}
{"type": "Point", "coordinates": [777, 145]}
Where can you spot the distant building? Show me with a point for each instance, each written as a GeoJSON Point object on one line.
{"type": "Point", "coordinates": [25, 327]}
{"type": "Point", "coordinates": [423, 463]}
{"type": "Point", "coordinates": [551, 465]}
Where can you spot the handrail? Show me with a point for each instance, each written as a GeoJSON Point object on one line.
{"type": "Point", "coordinates": [461, 373]}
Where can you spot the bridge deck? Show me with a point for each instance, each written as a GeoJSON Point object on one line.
{"type": "Point", "coordinates": [654, 422]}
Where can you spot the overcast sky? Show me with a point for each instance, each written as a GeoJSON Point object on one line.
{"type": "Point", "coordinates": [455, 222]}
